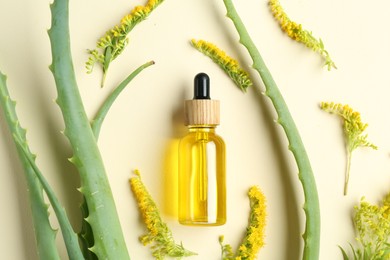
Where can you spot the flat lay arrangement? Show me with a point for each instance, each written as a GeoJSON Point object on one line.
{"type": "Point", "coordinates": [166, 129]}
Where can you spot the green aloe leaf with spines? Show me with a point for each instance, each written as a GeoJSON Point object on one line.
{"type": "Point", "coordinates": [86, 233]}
{"type": "Point", "coordinates": [311, 206]}
{"type": "Point", "coordinates": [44, 234]}
{"type": "Point", "coordinates": [101, 236]}
{"type": "Point", "coordinates": [70, 237]}
{"type": "Point", "coordinates": [108, 237]}
{"type": "Point", "coordinates": [101, 114]}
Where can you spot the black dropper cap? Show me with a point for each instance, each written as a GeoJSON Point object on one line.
{"type": "Point", "coordinates": [201, 110]}
{"type": "Point", "coordinates": [202, 86]}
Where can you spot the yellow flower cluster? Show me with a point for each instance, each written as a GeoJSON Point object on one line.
{"type": "Point", "coordinates": [353, 131]}
{"type": "Point", "coordinates": [138, 14]}
{"type": "Point", "coordinates": [147, 208]}
{"type": "Point", "coordinates": [229, 65]}
{"type": "Point", "coordinates": [372, 223]}
{"type": "Point", "coordinates": [158, 231]}
{"type": "Point", "coordinates": [352, 123]}
{"type": "Point", "coordinates": [115, 40]}
{"type": "Point", "coordinates": [254, 238]}
{"type": "Point", "coordinates": [297, 33]}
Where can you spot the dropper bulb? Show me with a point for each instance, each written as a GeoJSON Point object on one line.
{"type": "Point", "coordinates": [202, 86]}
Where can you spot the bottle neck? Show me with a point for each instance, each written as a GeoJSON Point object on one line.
{"type": "Point", "coordinates": [202, 128]}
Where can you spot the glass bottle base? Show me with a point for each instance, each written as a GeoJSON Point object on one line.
{"type": "Point", "coordinates": [204, 223]}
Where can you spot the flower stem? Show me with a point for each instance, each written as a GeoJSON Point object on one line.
{"type": "Point", "coordinates": [347, 171]}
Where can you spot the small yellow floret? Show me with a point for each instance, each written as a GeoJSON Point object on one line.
{"type": "Point", "coordinates": [254, 238]}
{"type": "Point", "coordinates": [353, 131]}
{"type": "Point", "coordinates": [227, 63]}
{"type": "Point", "coordinates": [373, 225]}
{"type": "Point", "coordinates": [297, 33]}
{"type": "Point", "coordinates": [158, 231]}
{"type": "Point", "coordinates": [115, 40]}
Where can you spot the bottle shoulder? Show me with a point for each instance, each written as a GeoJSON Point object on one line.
{"type": "Point", "coordinates": [202, 136]}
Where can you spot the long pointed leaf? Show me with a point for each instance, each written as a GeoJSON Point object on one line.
{"type": "Point", "coordinates": [109, 242]}
{"type": "Point", "coordinates": [311, 206]}
{"type": "Point", "coordinates": [355, 257]}
{"type": "Point", "coordinates": [70, 237]}
{"type": "Point", "coordinates": [44, 234]}
{"type": "Point", "coordinates": [97, 122]}
{"type": "Point", "coordinates": [86, 233]}
{"type": "Point", "coordinates": [345, 256]}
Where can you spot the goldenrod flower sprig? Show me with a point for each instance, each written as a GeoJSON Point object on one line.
{"type": "Point", "coordinates": [297, 33]}
{"type": "Point", "coordinates": [372, 223]}
{"type": "Point", "coordinates": [112, 44]}
{"type": "Point", "coordinates": [254, 238]}
{"type": "Point", "coordinates": [158, 232]}
{"type": "Point", "coordinates": [228, 64]}
{"type": "Point", "coordinates": [353, 131]}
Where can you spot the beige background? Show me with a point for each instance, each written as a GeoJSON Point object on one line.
{"type": "Point", "coordinates": [144, 124]}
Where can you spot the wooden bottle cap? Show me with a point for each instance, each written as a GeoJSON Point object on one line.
{"type": "Point", "coordinates": [201, 112]}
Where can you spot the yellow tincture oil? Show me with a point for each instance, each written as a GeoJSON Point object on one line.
{"type": "Point", "coordinates": [202, 189]}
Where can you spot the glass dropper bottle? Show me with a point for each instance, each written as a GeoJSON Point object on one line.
{"type": "Point", "coordinates": [202, 188]}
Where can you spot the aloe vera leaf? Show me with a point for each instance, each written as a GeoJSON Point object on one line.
{"type": "Point", "coordinates": [86, 234]}
{"type": "Point", "coordinates": [36, 182]}
{"type": "Point", "coordinates": [109, 242]}
{"type": "Point", "coordinates": [70, 237]}
{"type": "Point", "coordinates": [97, 122]}
{"type": "Point", "coordinates": [44, 233]}
{"type": "Point", "coordinates": [311, 206]}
